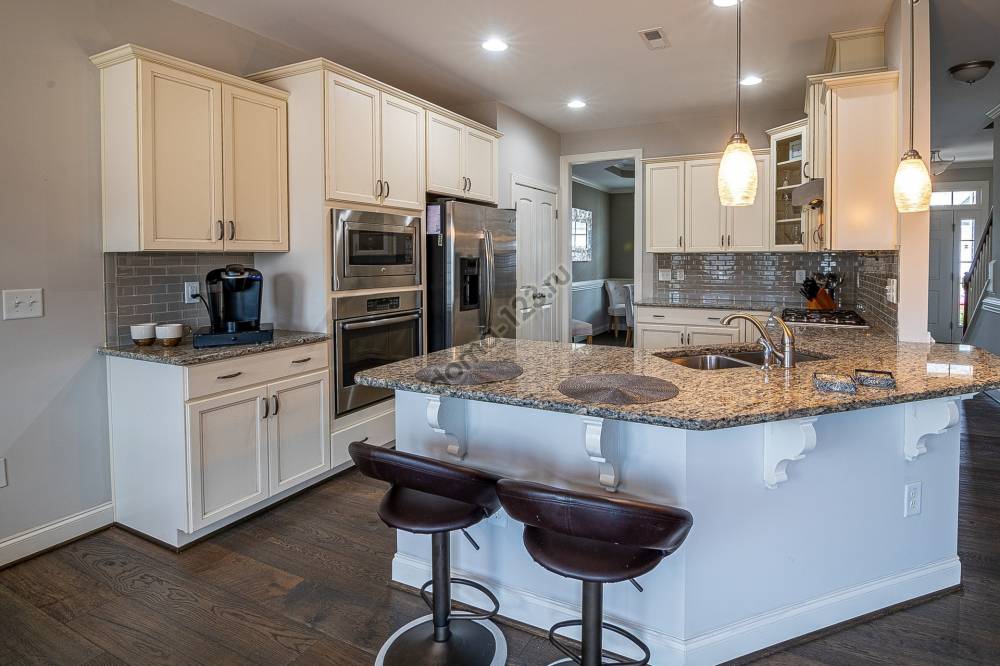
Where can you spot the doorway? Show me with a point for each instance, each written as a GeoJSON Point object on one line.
{"type": "Point", "coordinates": [958, 216]}
{"type": "Point", "coordinates": [601, 244]}
{"type": "Point", "coordinates": [535, 204]}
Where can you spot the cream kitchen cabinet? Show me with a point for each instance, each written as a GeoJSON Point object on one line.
{"type": "Point", "coordinates": [664, 207]}
{"type": "Point", "coordinates": [375, 145]}
{"type": "Point", "coordinates": [224, 439]}
{"type": "Point", "coordinates": [461, 160]}
{"type": "Point", "coordinates": [659, 336]}
{"type": "Point", "coordinates": [192, 158]}
{"type": "Point", "coordinates": [661, 327]}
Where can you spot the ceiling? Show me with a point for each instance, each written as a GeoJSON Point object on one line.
{"type": "Point", "coordinates": [963, 30]}
{"type": "Point", "coordinates": [561, 50]}
{"type": "Point", "coordinates": [596, 173]}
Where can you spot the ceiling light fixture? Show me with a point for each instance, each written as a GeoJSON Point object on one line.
{"type": "Point", "coordinates": [576, 104]}
{"type": "Point", "coordinates": [725, 3]}
{"type": "Point", "coordinates": [750, 80]}
{"type": "Point", "coordinates": [939, 164]}
{"type": "Point", "coordinates": [495, 44]}
{"type": "Point", "coordinates": [912, 185]}
{"type": "Point", "coordinates": [972, 71]}
{"type": "Point", "coordinates": [738, 169]}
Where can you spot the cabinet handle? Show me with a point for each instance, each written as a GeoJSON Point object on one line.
{"type": "Point", "coordinates": [722, 240]}
{"type": "Point", "coordinates": [302, 360]}
{"type": "Point", "coordinates": [274, 411]}
{"type": "Point", "coordinates": [802, 239]}
{"type": "Point", "coordinates": [804, 166]}
{"type": "Point", "coordinates": [658, 316]}
{"type": "Point", "coordinates": [713, 318]}
{"type": "Point", "coordinates": [378, 188]}
{"type": "Point", "coordinates": [386, 195]}
{"type": "Point", "coordinates": [267, 406]}
{"type": "Point", "coordinates": [221, 229]}
{"type": "Point", "coordinates": [729, 240]}
{"type": "Point", "coordinates": [680, 241]}
{"type": "Point", "coordinates": [232, 230]}
{"type": "Point", "coordinates": [232, 376]}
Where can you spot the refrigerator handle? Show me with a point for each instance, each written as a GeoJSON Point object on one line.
{"type": "Point", "coordinates": [490, 280]}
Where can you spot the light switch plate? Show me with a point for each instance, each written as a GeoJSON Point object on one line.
{"type": "Point", "coordinates": [663, 275]}
{"type": "Point", "coordinates": [800, 276]}
{"type": "Point", "coordinates": [679, 274]}
{"type": "Point", "coordinates": [22, 303]}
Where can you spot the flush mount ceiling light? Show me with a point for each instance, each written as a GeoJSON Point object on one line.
{"type": "Point", "coordinates": [725, 3]}
{"type": "Point", "coordinates": [972, 71]}
{"type": "Point", "coordinates": [576, 104]}
{"type": "Point", "coordinates": [750, 80]}
{"type": "Point", "coordinates": [738, 169]}
{"type": "Point", "coordinates": [495, 44]}
{"type": "Point", "coordinates": [912, 186]}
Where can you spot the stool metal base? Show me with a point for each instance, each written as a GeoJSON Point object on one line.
{"type": "Point", "coordinates": [472, 643]}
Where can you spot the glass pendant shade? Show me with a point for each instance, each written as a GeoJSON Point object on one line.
{"type": "Point", "coordinates": [738, 174]}
{"type": "Point", "coordinates": [912, 187]}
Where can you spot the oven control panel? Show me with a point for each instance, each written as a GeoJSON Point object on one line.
{"type": "Point", "coordinates": [385, 304]}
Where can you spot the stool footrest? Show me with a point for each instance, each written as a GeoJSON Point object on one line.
{"type": "Point", "coordinates": [429, 600]}
{"type": "Point", "coordinates": [561, 644]}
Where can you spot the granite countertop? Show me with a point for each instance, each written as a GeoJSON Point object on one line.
{"type": "Point", "coordinates": [712, 399]}
{"type": "Point", "coordinates": [744, 304]}
{"type": "Point", "coordinates": [186, 354]}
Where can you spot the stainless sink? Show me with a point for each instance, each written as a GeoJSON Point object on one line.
{"type": "Point", "coordinates": [745, 359]}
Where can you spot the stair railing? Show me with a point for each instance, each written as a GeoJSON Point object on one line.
{"type": "Point", "coordinates": [976, 282]}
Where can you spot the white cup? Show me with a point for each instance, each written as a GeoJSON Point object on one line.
{"type": "Point", "coordinates": [170, 334]}
{"type": "Point", "coordinates": [143, 334]}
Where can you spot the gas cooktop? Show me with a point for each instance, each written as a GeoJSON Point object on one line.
{"type": "Point", "coordinates": [831, 318]}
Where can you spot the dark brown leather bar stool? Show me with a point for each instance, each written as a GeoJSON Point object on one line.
{"type": "Point", "coordinates": [596, 539]}
{"type": "Point", "coordinates": [428, 496]}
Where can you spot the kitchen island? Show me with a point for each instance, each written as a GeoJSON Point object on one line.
{"type": "Point", "coordinates": [810, 508]}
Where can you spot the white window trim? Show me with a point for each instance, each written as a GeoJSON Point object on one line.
{"type": "Point", "coordinates": [982, 188]}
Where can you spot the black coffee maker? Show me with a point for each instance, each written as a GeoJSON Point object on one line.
{"type": "Point", "coordinates": [234, 297]}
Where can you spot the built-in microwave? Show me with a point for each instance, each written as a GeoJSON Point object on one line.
{"type": "Point", "coordinates": [374, 250]}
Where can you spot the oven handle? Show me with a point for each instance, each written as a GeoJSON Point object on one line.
{"type": "Point", "coordinates": [354, 326]}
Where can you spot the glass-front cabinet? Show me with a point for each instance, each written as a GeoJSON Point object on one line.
{"type": "Point", "coordinates": [789, 144]}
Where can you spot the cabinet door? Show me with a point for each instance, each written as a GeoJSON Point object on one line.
{"type": "Point", "coordinates": [481, 165]}
{"type": "Point", "coordinates": [704, 215]}
{"type": "Point", "coordinates": [445, 171]}
{"type": "Point", "coordinates": [227, 440]}
{"type": "Point", "coordinates": [664, 212]}
{"type": "Point", "coordinates": [298, 430]}
{"type": "Point", "coordinates": [749, 226]}
{"type": "Point", "coordinates": [659, 336]}
{"type": "Point", "coordinates": [181, 160]}
{"type": "Point", "coordinates": [402, 153]}
{"type": "Point", "coordinates": [255, 177]}
{"type": "Point", "coordinates": [712, 335]}
{"type": "Point", "coordinates": [352, 135]}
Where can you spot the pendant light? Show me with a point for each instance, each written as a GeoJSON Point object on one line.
{"type": "Point", "coordinates": [912, 186]}
{"type": "Point", "coordinates": [738, 169]}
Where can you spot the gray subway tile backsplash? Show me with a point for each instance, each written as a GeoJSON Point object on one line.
{"type": "Point", "coordinates": [141, 287]}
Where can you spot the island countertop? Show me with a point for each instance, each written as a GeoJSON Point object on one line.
{"type": "Point", "coordinates": [186, 354]}
{"type": "Point", "coordinates": [711, 399]}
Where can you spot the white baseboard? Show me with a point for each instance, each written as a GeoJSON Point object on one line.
{"type": "Point", "coordinates": [52, 534]}
{"type": "Point", "coordinates": [729, 642]}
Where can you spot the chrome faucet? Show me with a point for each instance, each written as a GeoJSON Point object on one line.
{"type": "Point", "coordinates": [787, 357]}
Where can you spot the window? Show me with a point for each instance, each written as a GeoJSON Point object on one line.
{"type": "Point", "coordinates": [950, 198]}
{"type": "Point", "coordinates": [582, 232]}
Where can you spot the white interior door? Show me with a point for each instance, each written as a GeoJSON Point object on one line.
{"type": "Point", "coordinates": [942, 302]}
{"type": "Point", "coordinates": [537, 261]}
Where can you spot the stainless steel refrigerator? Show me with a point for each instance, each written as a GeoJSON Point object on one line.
{"type": "Point", "coordinates": [471, 273]}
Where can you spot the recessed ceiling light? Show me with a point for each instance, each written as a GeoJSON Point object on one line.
{"type": "Point", "coordinates": [725, 3]}
{"type": "Point", "coordinates": [576, 104]}
{"type": "Point", "coordinates": [495, 44]}
{"type": "Point", "coordinates": [750, 80]}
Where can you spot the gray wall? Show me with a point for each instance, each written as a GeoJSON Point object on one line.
{"type": "Point", "coordinates": [53, 393]}
{"type": "Point", "coordinates": [528, 148]}
{"type": "Point", "coordinates": [599, 203]}
{"type": "Point", "coordinates": [621, 239]}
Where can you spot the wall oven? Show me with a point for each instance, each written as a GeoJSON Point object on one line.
{"type": "Point", "coordinates": [370, 331]}
{"type": "Point", "coordinates": [374, 250]}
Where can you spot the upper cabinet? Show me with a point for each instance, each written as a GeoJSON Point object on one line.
{"type": "Point", "coordinates": [790, 160]}
{"type": "Point", "coordinates": [192, 158]}
{"type": "Point", "coordinates": [683, 212]}
{"type": "Point", "coordinates": [461, 160]}
{"type": "Point", "coordinates": [375, 146]}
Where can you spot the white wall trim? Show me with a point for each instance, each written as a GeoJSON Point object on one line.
{"type": "Point", "coordinates": [52, 534]}
{"type": "Point", "coordinates": [566, 163]}
{"type": "Point", "coordinates": [724, 643]}
{"type": "Point", "coordinates": [601, 188]}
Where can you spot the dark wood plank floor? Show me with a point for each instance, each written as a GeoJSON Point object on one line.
{"type": "Point", "coordinates": [306, 583]}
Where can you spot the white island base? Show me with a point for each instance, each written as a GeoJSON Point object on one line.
{"type": "Point", "coordinates": [798, 524]}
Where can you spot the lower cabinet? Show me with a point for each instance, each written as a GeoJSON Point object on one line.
{"type": "Point", "coordinates": [298, 432]}
{"type": "Point", "coordinates": [662, 327]}
{"type": "Point", "coordinates": [654, 336]}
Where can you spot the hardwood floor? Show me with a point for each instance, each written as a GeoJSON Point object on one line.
{"type": "Point", "coordinates": [306, 583]}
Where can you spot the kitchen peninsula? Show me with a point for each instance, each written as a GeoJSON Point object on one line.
{"type": "Point", "coordinates": [810, 508]}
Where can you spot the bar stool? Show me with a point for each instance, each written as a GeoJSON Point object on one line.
{"type": "Point", "coordinates": [596, 539]}
{"type": "Point", "coordinates": [428, 496]}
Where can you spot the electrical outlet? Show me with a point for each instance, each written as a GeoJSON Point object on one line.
{"type": "Point", "coordinates": [22, 303]}
{"type": "Point", "coordinates": [678, 274]}
{"type": "Point", "coordinates": [891, 290]}
{"type": "Point", "coordinates": [191, 291]}
{"type": "Point", "coordinates": [498, 519]}
{"type": "Point", "coordinates": [663, 275]}
{"type": "Point", "coordinates": [800, 276]}
{"type": "Point", "coordinates": [913, 497]}
{"type": "Point", "coordinates": [3, 472]}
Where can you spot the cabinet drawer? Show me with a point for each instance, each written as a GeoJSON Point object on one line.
{"type": "Point", "coordinates": [694, 316]}
{"type": "Point", "coordinates": [236, 373]}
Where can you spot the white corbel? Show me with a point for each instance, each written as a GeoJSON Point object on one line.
{"type": "Point", "coordinates": [784, 442]}
{"type": "Point", "coordinates": [448, 420]}
{"type": "Point", "coordinates": [921, 420]}
{"type": "Point", "coordinates": [602, 446]}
